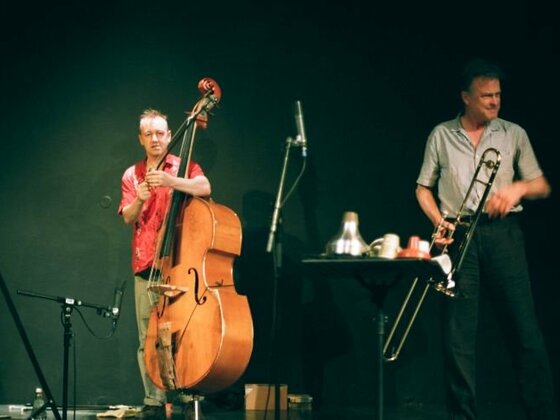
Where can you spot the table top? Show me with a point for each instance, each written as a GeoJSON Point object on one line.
{"type": "Point", "coordinates": [375, 271]}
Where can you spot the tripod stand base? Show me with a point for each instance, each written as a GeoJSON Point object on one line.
{"type": "Point", "coordinates": [378, 275]}
{"type": "Point", "coordinates": [192, 409]}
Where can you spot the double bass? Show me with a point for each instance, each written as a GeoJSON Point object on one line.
{"type": "Point", "coordinates": [200, 332]}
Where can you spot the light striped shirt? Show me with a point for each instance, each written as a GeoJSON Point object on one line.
{"type": "Point", "coordinates": [450, 160]}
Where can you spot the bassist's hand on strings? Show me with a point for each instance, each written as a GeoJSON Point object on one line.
{"type": "Point", "coordinates": [156, 178]}
{"type": "Point", "coordinates": [197, 186]}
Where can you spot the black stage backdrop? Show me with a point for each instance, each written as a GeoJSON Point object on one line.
{"type": "Point", "coordinates": [373, 79]}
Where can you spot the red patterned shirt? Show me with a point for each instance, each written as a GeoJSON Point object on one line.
{"type": "Point", "coordinates": [146, 227]}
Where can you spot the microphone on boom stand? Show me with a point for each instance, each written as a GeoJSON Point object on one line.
{"type": "Point", "coordinates": [301, 138]}
{"type": "Point", "coordinates": [274, 244]}
{"type": "Point", "coordinates": [114, 311]}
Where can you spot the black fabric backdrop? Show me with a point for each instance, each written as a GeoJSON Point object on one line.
{"type": "Point", "coordinates": [373, 79]}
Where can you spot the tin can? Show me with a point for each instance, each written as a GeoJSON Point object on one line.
{"type": "Point", "coordinates": [300, 406]}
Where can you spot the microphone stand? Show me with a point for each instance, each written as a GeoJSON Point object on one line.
{"type": "Point", "coordinates": [49, 400]}
{"type": "Point", "coordinates": [68, 305]}
{"type": "Point", "coordinates": [278, 203]}
{"type": "Point", "coordinates": [274, 246]}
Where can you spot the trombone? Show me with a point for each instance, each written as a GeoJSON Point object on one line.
{"type": "Point", "coordinates": [390, 351]}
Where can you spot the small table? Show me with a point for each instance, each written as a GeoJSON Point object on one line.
{"type": "Point", "coordinates": [378, 275]}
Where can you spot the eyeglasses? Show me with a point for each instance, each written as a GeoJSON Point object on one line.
{"type": "Point", "coordinates": [159, 134]}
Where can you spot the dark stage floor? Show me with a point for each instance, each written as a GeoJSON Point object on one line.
{"type": "Point", "coordinates": [417, 412]}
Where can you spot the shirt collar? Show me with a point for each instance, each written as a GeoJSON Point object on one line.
{"type": "Point", "coordinates": [493, 125]}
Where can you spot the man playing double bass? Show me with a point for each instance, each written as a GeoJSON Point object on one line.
{"type": "Point", "coordinates": [147, 188]}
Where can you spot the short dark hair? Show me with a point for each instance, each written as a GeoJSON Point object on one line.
{"type": "Point", "coordinates": [479, 67]}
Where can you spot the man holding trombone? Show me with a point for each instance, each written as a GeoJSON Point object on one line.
{"type": "Point", "coordinates": [495, 256]}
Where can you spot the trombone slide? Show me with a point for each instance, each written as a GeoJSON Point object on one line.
{"type": "Point", "coordinates": [391, 352]}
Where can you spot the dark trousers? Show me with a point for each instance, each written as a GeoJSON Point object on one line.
{"type": "Point", "coordinates": [496, 261]}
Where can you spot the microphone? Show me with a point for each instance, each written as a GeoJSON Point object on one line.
{"type": "Point", "coordinates": [117, 302]}
{"type": "Point", "coordinates": [301, 138]}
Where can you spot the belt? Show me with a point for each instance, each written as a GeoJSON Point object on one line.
{"type": "Point", "coordinates": [484, 218]}
{"type": "Point", "coordinates": [145, 274]}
